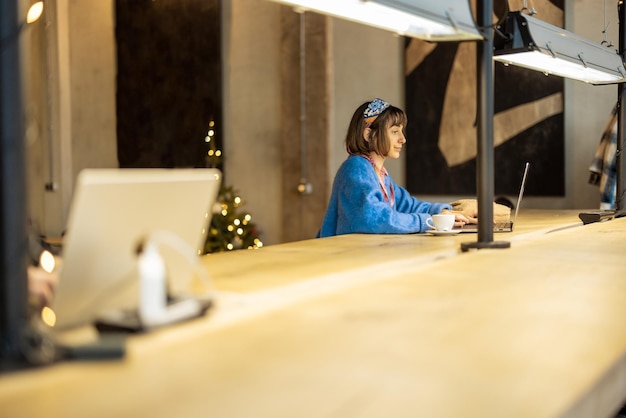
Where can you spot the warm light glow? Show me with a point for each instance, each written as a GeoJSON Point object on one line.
{"type": "Point", "coordinates": [539, 61]}
{"type": "Point", "coordinates": [237, 200]}
{"type": "Point", "coordinates": [47, 261]}
{"type": "Point", "coordinates": [48, 316]}
{"type": "Point", "coordinates": [34, 13]}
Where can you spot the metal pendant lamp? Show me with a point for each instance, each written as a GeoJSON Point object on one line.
{"type": "Point", "coordinates": [439, 20]}
{"type": "Point", "coordinates": [531, 43]}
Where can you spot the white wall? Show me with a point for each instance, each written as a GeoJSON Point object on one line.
{"type": "Point", "coordinates": [252, 163]}
{"type": "Point", "coordinates": [364, 63]}
{"type": "Point", "coordinates": [74, 122]}
{"type": "Point", "coordinates": [587, 108]}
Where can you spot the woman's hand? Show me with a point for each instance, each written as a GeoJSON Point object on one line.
{"type": "Point", "coordinates": [460, 219]}
{"type": "Point", "coordinates": [41, 285]}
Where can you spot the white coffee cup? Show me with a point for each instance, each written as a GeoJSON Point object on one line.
{"type": "Point", "coordinates": [441, 222]}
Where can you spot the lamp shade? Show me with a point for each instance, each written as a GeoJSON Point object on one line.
{"type": "Point", "coordinates": [439, 20]}
{"type": "Point", "coordinates": [531, 43]}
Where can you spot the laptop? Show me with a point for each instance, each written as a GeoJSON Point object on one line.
{"type": "Point", "coordinates": [508, 225]}
{"type": "Point", "coordinates": [113, 212]}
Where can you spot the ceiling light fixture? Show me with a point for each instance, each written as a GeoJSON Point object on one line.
{"type": "Point", "coordinates": [531, 43]}
{"type": "Point", "coordinates": [441, 20]}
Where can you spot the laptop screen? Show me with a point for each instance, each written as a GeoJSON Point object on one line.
{"type": "Point", "coordinates": [504, 226]}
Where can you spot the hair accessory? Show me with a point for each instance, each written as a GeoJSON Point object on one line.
{"type": "Point", "coordinates": [374, 109]}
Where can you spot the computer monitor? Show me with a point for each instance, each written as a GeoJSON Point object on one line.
{"type": "Point", "coordinates": [113, 213]}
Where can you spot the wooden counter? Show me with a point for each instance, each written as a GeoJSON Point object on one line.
{"type": "Point", "coordinates": [377, 326]}
{"type": "Point", "coordinates": [283, 264]}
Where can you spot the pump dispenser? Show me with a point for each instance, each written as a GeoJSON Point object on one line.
{"type": "Point", "coordinates": [152, 285]}
{"type": "Point", "coordinates": [153, 307]}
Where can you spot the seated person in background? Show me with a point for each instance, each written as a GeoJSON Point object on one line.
{"type": "Point", "coordinates": [41, 284]}
{"type": "Point", "coordinates": [42, 274]}
{"type": "Point", "coordinates": [364, 198]}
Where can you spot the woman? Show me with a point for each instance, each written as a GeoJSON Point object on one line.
{"type": "Point", "coordinates": [364, 198]}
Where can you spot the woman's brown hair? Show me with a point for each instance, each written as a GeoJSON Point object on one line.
{"type": "Point", "coordinates": [356, 144]}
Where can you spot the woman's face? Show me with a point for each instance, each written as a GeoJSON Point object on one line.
{"type": "Point", "coordinates": [395, 135]}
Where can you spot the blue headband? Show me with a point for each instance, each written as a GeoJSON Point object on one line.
{"type": "Point", "coordinates": [374, 109]}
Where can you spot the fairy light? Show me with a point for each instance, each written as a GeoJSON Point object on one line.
{"type": "Point", "coordinates": [48, 316]}
{"type": "Point", "coordinates": [47, 261]}
{"type": "Point", "coordinates": [231, 230]}
{"type": "Point", "coordinates": [34, 12]}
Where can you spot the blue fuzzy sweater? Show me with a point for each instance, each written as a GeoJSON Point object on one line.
{"type": "Point", "coordinates": [357, 204]}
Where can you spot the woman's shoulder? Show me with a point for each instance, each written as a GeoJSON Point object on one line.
{"type": "Point", "coordinates": [355, 162]}
{"type": "Point", "coordinates": [356, 168]}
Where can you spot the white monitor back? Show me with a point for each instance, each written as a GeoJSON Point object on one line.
{"type": "Point", "coordinates": [113, 212]}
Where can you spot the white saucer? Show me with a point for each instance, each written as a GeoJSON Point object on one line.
{"type": "Point", "coordinates": [443, 233]}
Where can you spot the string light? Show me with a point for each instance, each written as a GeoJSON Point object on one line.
{"type": "Point", "coordinates": [228, 230]}
{"type": "Point", "coordinates": [34, 12]}
{"type": "Point", "coordinates": [48, 316]}
{"type": "Point", "coordinates": [47, 261]}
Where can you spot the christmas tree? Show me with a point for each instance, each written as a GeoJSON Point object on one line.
{"type": "Point", "coordinates": [231, 228]}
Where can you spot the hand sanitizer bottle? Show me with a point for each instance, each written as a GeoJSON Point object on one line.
{"type": "Point", "coordinates": [152, 285]}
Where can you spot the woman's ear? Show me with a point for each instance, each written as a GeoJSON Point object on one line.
{"type": "Point", "coordinates": [366, 134]}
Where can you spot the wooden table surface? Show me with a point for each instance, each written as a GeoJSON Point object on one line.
{"type": "Point", "coordinates": [377, 326]}
{"type": "Point", "coordinates": [335, 256]}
